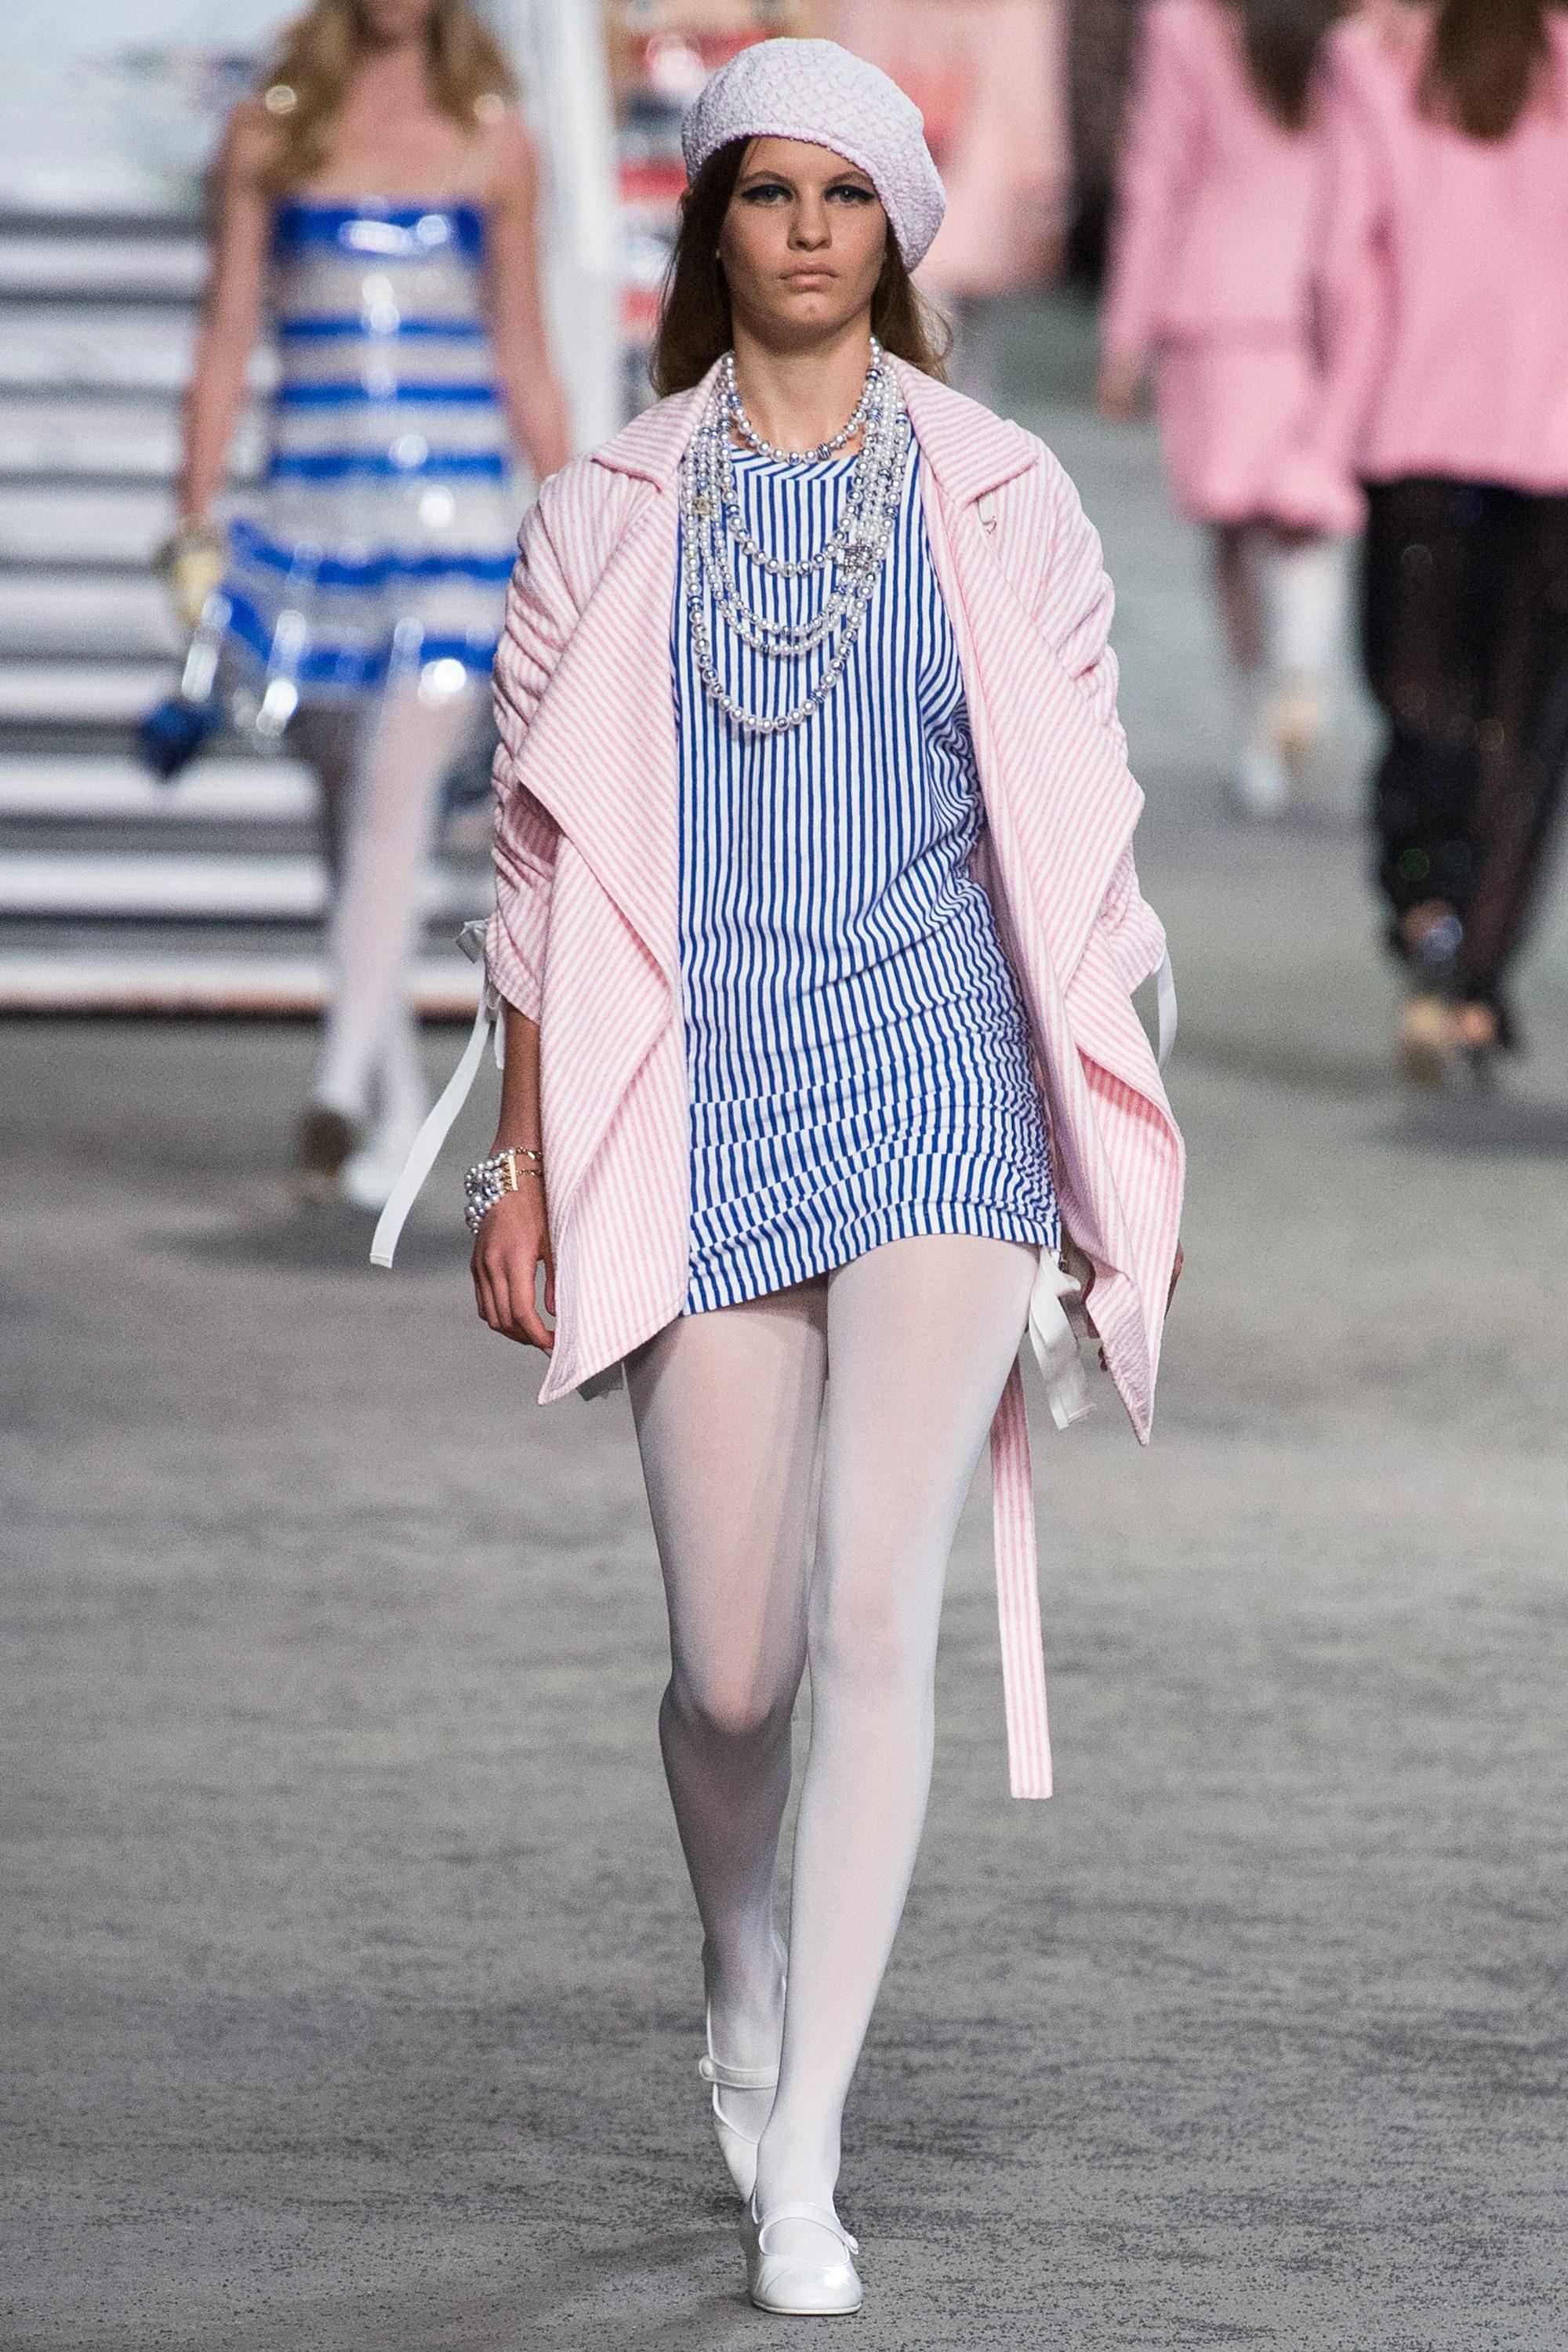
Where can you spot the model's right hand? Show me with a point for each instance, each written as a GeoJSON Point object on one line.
{"type": "Point", "coordinates": [509, 1249]}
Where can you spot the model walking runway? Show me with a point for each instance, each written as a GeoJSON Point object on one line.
{"type": "Point", "coordinates": [816, 938]}
{"type": "Point", "coordinates": [1446, 311]}
{"type": "Point", "coordinates": [377, 214]}
{"type": "Point", "coordinates": [1217, 217]}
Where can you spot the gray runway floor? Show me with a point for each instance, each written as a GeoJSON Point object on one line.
{"type": "Point", "coordinates": [350, 1995]}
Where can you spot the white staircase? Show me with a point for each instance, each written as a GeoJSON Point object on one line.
{"type": "Point", "coordinates": [118, 893]}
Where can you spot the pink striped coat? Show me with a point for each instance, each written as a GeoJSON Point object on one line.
{"type": "Point", "coordinates": [584, 938]}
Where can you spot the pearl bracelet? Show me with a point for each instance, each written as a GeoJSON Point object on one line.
{"type": "Point", "coordinates": [493, 1178]}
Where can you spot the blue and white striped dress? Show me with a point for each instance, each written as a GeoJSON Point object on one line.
{"type": "Point", "coordinates": [384, 533]}
{"type": "Point", "coordinates": [857, 1048]}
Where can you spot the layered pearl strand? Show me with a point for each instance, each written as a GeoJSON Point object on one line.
{"type": "Point", "coordinates": [729, 391]}
{"type": "Point", "coordinates": [714, 531]}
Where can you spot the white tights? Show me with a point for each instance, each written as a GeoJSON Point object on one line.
{"type": "Point", "coordinates": [867, 1392]}
{"type": "Point", "coordinates": [381, 773]}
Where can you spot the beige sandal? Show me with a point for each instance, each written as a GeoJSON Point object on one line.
{"type": "Point", "coordinates": [1296, 720]}
{"type": "Point", "coordinates": [1428, 1046]}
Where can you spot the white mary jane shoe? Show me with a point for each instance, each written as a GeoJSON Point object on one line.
{"type": "Point", "coordinates": [738, 2150]}
{"type": "Point", "coordinates": [793, 2284]}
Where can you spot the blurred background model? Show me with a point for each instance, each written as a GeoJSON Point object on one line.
{"type": "Point", "coordinates": [376, 201]}
{"type": "Point", "coordinates": [1443, 277]}
{"type": "Point", "coordinates": [205, 895]}
{"type": "Point", "coordinates": [1212, 279]}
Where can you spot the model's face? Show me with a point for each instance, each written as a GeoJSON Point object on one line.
{"type": "Point", "coordinates": [803, 241]}
{"type": "Point", "coordinates": [388, 23]}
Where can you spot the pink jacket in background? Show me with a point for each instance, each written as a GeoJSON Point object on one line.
{"type": "Point", "coordinates": [1216, 202]}
{"type": "Point", "coordinates": [1443, 284]}
{"type": "Point", "coordinates": [990, 77]}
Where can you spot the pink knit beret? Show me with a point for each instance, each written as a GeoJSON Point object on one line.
{"type": "Point", "coordinates": [818, 92]}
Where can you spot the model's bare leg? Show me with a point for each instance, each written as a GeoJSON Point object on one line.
{"type": "Point", "coordinates": [727, 1406]}
{"type": "Point", "coordinates": [1235, 549]}
{"type": "Point", "coordinates": [921, 1335]}
{"type": "Point", "coordinates": [1259, 782]}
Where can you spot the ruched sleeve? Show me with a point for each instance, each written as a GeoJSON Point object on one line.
{"type": "Point", "coordinates": [541, 614]}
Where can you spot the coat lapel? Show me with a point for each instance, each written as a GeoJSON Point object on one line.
{"type": "Point", "coordinates": [601, 754]}
{"type": "Point", "coordinates": [1073, 805]}
{"type": "Point", "coordinates": [601, 757]}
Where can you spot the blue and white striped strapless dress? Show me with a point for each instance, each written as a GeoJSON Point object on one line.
{"type": "Point", "coordinates": [858, 1050]}
{"type": "Point", "coordinates": [385, 530]}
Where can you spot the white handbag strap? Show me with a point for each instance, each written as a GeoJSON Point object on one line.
{"type": "Point", "coordinates": [1165, 996]}
{"type": "Point", "coordinates": [1054, 1343]}
{"type": "Point", "coordinates": [427, 1143]}
{"type": "Point", "coordinates": [439, 1126]}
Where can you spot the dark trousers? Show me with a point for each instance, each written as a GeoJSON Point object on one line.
{"type": "Point", "coordinates": [1465, 636]}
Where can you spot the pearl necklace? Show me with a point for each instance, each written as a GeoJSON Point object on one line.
{"type": "Point", "coordinates": [714, 531]}
{"type": "Point", "coordinates": [824, 450]}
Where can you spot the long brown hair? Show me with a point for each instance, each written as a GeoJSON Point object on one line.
{"type": "Point", "coordinates": [694, 326]}
{"type": "Point", "coordinates": [1484, 63]}
{"type": "Point", "coordinates": [305, 87]}
{"type": "Point", "coordinates": [1283, 40]}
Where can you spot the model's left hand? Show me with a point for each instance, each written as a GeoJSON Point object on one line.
{"type": "Point", "coordinates": [1081, 1269]}
{"type": "Point", "coordinates": [191, 565]}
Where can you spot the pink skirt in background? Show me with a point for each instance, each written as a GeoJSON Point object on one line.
{"type": "Point", "coordinates": [1230, 408]}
